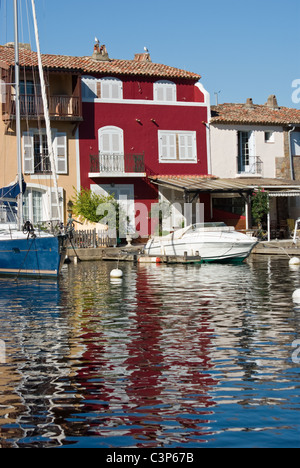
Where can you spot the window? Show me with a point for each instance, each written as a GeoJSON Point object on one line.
{"type": "Point", "coordinates": [36, 203]}
{"type": "Point", "coordinates": [111, 88]}
{"type": "Point", "coordinates": [35, 153]}
{"type": "Point", "coordinates": [105, 88]}
{"type": "Point", "coordinates": [111, 150]}
{"type": "Point", "coordinates": [41, 158]}
{"type": "Point", "coordinates": [165, 91]}
{"type": "Point", "coordinates": [177, 147]}
{"type": "Point", "coordinates": [295, 139]}
{"type": "Point", "coordinates": [269, 137]}
{"type": "Point", "coordinates": [111, 140]}
{"type": "Point", "coordinates": [90, 88]}
{"type": "Point", "coordinates": [230, 205]}
{"type": "Point", "coordinates": [33, 206]}
{"type": "Point", "coordinates": [247, 160]}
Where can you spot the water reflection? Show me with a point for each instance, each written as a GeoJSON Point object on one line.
{"type": "Point", "coordinates": [171, 356]}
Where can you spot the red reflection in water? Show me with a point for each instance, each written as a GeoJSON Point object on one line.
{"type": "Point", "coordinates": [165, 395]}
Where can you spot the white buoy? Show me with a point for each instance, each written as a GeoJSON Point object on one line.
{"type": "Point", "coordinates": [294, 261]}
{"type": "Point", "coordinates": [116, 273]}
{"type": "Point", "coordinates": [296, 296]}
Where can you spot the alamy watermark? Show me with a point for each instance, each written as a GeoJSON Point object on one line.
{"type": "Point", "coordinates": [296, 353]}
{"type": "Point", "coordinates": [2, 352]}
{"type": "Point", "coordinates": [296, 92]}
{"type": "Point", "coordinates": [139, 219]}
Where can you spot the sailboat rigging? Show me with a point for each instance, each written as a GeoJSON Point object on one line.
{"type": "Point", "coordinates": [23, 251]}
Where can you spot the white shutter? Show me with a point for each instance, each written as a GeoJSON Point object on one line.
{"type": "Point", "coordinates": [55, 213]}
{"type": "Point", "coordinates": [165, 91]}
{"type": "Point", "coordinates": [186, 147]}
{"type": "Point", "coordinates": [105, 88]}
{"type": "Point", "coordinates": [28, 153]}
{"type": "Point", "coordinates": [111, 140]}
{"type": "Point", "coordinates": [61, 153]}
{"type": "Point", "coordinates": [168, 146]}
{"type": "Point", "coordinates": [89, 88]}
{"type": "Point", "coordinates": [111, 88]}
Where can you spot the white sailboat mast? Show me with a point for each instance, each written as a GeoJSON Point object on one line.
{"type": "Point", "coordinates": [18, 117]}
{"type": "Point", "coordinates": [46, 113]}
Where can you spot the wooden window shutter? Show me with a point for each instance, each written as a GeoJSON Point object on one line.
{"type": "Point", "coordinates": [28, 153]}
{"type": "Point", "coordinates": [61, 153]}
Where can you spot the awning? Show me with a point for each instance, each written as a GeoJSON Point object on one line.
{"type": "Point", "coordinates": [200, 184]}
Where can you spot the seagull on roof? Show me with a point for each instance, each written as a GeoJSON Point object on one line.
{"type": "Point", "coordinates": [97, 40]}
{"type": "Point", "coordinates": [145, 49]}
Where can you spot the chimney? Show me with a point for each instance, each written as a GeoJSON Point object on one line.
{"type": "Point", "coordinates": [145, 57]}
{"type": "Point", "coordinates": [249, 103]}
{"type": "Point", "coordinates": [100, 53]}
{"type": "Point", "coordinates": [272, 102]}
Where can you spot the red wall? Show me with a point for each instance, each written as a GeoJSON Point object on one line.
{"type": "Point", "coordinates": [140, 124]}
{"type": "Point", "coordinates": [143, 137]}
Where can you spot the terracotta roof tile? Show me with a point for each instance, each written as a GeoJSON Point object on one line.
{"type": "Point", "coordinates": [88, 65]}
{"type": "Point", "coordinates": [257, 114]}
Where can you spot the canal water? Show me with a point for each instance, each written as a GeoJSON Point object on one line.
{"type": "Point", "coordinates": [172, 356]}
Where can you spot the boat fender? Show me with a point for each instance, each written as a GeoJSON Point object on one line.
{"type": "Point", "coordinates": [296, 296]}
{"type": "Point", "coordinates": [294, 261]}
{"type": "Point", "coordinates": [116, 273]}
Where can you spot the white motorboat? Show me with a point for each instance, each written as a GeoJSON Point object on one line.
{"type": "Point", "coordinates": [214, 242]}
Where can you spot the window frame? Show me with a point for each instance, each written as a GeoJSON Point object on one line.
{"type": "Point", "coordinates": [177, 157]}
{"type": "Point", "coordinates": [111, 130]}
{"type": "Point", "coordinates": [161, 89]}
{"type": "Point", "coordinates": [101, 89]}
{"type": "Point", "coordinates": [269, 136]}
{"type": "Point", "coordinates": [28, 142]}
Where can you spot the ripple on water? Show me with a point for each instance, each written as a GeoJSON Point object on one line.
{"type": "Point", "coordinates": [171, 356]}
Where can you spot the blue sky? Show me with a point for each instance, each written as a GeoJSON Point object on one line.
{"type": "Point", "coordinates": [240, 48]}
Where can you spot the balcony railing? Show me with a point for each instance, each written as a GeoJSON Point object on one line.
{"type": "Point", "coordinates": [253, 165]}
{"type": "Point", "coordinates": [59, 106]}
{"type": "Point", "coordinates": [117, 164]}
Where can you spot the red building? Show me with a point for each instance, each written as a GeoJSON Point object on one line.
{"type": "Point", "coordinates": [140, 120]}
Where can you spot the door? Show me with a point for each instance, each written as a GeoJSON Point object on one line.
{"type": "Point", "coordinates": [246, 159]}
{"type": "Point", "coordinates": [124, 194]}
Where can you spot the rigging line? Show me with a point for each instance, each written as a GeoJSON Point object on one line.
{"type": "Point", "coordinates": [47, 119]}
{"type": "Point", "coordinates": [19, 272]}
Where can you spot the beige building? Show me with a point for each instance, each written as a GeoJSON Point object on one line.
{"type": "Point", "coordinates": [257, 146]}
{"type": "Point", "coordinates": [64, 102]}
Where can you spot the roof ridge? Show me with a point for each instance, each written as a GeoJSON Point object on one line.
{"type": "Point", "coordinates": [87, 64]}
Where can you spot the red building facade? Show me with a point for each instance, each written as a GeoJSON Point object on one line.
{"type": "Point", "coordinates": [140, 120]}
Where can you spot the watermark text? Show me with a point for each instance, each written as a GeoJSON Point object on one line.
{"type": "Point", "coordinates": [2, 352]}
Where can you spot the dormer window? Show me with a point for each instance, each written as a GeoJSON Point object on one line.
{"type": "Point", "coordinates": [109, 88]}
{"type": "Point", "coordinates": [165, 91]}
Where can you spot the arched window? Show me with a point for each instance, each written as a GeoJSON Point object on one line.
{"type": "Point", "coordinates": [111, 140]}
{"type": "Point", "coordinates": [111, 150]}
{"type": "Point", "coordinates": [165, 91]}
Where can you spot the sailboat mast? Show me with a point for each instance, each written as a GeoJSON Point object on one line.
{"type": "Point", "coordinates": [18, 116]}
{"type": "Point", "coordinates": [46, 112]}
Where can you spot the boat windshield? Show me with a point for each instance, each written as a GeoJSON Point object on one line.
{"type": "Point", "coordinates": [209, 225]}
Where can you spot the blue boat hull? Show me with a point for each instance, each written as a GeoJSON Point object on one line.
{"type": "Point", "coordinates": [40, 256]}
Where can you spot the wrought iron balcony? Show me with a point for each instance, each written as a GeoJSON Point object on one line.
{"type": "Point", "coordinates": [253, 165]}
{"type": "Point", "coordinates": [126, 165]}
